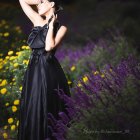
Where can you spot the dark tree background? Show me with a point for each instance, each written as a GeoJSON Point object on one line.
{"type": "Point", "coordinates": [87, 20]}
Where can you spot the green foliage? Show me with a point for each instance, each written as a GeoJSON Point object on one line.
{"type": "Point", "coordinates": [10, 38]}
{"type": "Point", "coordinates": [12, 71]}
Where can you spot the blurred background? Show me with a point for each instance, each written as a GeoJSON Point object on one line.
{"type": "Point", "coordinates": [100, 57]}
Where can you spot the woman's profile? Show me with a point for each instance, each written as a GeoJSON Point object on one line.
{"type": "Point", "coordinates": [44, 73]}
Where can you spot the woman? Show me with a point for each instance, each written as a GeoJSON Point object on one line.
{"type": "Point", "coordinates": [44, 74]}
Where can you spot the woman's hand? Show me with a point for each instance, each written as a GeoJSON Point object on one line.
{"type": "Point", "coordinates": [53, 19]}
{"type": "Point", "coordinates": [38, 2]}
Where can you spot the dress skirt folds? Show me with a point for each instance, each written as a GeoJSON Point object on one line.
{"type": "Point", "coordinates": [43, 75]}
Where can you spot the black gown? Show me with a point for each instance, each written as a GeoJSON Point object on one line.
{"type": "Point", "coordinates": [43, 75]}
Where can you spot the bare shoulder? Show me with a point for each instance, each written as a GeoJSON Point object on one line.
{"type": "Point", "coordinates": [63, 29]}
{"type": "Point", "coordinates": [60, 34]}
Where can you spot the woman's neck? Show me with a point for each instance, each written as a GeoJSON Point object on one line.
{"type": "Point", "coordinates": [48, 15]}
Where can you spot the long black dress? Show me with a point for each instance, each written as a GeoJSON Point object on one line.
{"type": "Point", "coordinates": [38, 97]}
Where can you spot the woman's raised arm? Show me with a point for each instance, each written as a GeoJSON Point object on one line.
{"type": "Point", "coordinates": [28, 10]}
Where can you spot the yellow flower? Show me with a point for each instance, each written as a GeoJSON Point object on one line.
{"type": "Point", "coordinates": [110, 69]}
{"type": "Point", "coordinates": [4, 62]}
{"type": "Point", "coordinates": [3, 83]}
{"type": "Point", "coordinates": [3, 90]}
{"type": "Point", "coordinates": [25, 62]}
{"type": "Point", "coordinates": [7, 104]}
{"type": "Point", "coordinates": [7, 57]}
{"type": "Point", "coordinates": [5, 135]}
{"type": "Point", "coordinates": [1, 66]}
{"type": "Point", "coordinates": [27, 47]}
{"type": "Point", "coordinates": [5, 127]}
{"type": "Point", "coordinates": [13, 79]}
{"type": "Point", "coordinates": [13, 127]}
{"type": "Point", "coordinates": [10, 52]}
{"type": "Point", "coordinates": [20, 88]}
{"type": "Point", "coordinates": [79, 85]}
{"type": "Point", "coordinates": [23, 47]}
{"type": "Point", "coordinates": [12, 58]}
{"type": "Point", "coordinates": [85, 79]}
{"type": "Point", "coordinates": [69, 82]}
{"type": "Point", "coordinates": [10, 120]}
{"type": "Point", "coordinates": [16, 65]}
{"type": "Point", "coordinates": [72, 68]}
{"type": "Point", "coordinates": [102, 75]}
{"type": "Point", "coordinates": [6, 34]}
{"type": "Point", "coordinates": [16, 102]}
{"type": "Point", "coordinates": [14, 83]}
{"type": "Point", "coordinates": [17, 123]}
{"type": "Point", "coordinates": [96, 72]}
{"type": "Point", "coordinates": [19, 53]}
{"type": "Point", "coordinates": [14, 108]}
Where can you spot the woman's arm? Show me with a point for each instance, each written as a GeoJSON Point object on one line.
{"type": "Point", "coordinates": [32, 2]}
{"type": "Point", "coordinates": [31, 14]}
{"type": "Point", "coordinates": [52, 42]}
